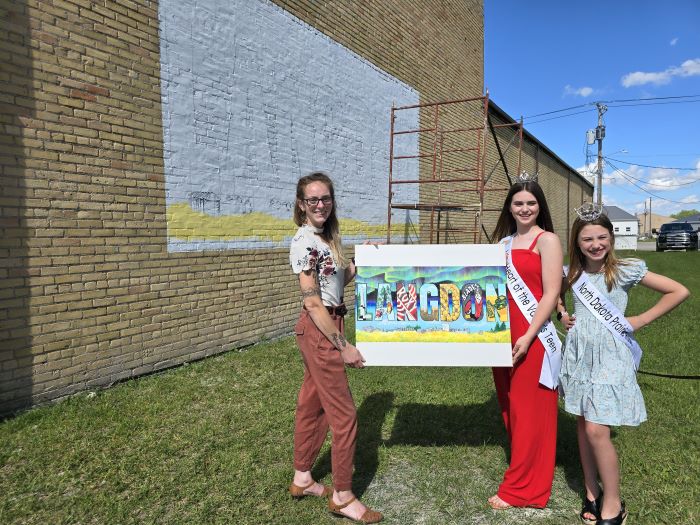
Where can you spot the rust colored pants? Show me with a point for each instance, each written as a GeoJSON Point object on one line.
{"type": "Point", "coordinates": [324, 401]}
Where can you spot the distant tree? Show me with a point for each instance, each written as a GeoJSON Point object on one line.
{"type": "Point", "coordinates": [684, 213]}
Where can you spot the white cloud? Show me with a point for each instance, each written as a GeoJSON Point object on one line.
{"type": "Point", "coordinates": [667, 208]}
{"type": "Point", "coordinates": [689, 68]}
{"type": "Point", "coordinates": [639, 78]}
{"type": "Point", "coordinates": [629, 186]}
{"type": "Point", "coordinates": [589, 171]}
{"type": "Point", "coordinates": [674, 41]}
{"type": "Point", "coordinates": [668, 179]}
{"type": "Point", "coordinates": [610, 178]}
{"type": "Point", "coordinates": [620, 177]}
{"type": "Point", "coordinates": [578, 92]}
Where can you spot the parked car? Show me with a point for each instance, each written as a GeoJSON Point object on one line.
{"type": "Point", "coordinates": [676, 236]}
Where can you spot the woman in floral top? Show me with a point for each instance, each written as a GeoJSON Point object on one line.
{"type": "Point", "coordinates": [324, 398]}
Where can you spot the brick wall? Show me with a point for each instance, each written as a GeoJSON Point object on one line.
{"type": "Point", "coordinates": [563, 186]}
{"type": "Point", "coordinates": [89, 293]}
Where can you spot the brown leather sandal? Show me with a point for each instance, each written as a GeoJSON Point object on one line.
{"type": "Point", "coordinates": [370, 516]}
{"type": "Point", "coordinates": [299, 492]}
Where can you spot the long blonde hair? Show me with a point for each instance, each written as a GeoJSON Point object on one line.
{"type": "Point", "coordinates": [331, 228]}
{"type": "Point", "coordinates": [611, 264]}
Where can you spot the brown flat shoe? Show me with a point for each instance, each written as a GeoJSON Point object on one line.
{"type": "Point", "coordinates": [370, 516]}
{"type": "Point", "coordinates": [299, 492]}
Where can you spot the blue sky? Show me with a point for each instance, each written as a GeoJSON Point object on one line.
{"type": "Point", "coordinates": [548, 55]}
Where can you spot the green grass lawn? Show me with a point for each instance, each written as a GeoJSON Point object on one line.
{"type": "Point", "coordinates": [211, 442]}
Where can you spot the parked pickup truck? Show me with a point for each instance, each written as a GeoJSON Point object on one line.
{"type": "Point", "coordinates": [676, 236]}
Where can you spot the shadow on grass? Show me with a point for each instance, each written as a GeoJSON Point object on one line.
{"type": "Point", "coordinates": [567, 451]}
{"type": "Point", "coordinates": [416, 425]}
{"type": "Point", "coordinates": [430, 425]}
{"type": "Point", "coordinates": [446, 425]}
{"type": "Point", "coordinates": [370, 417]}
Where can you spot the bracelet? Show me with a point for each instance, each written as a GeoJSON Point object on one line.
{"type": "Point", "coordinates": [561, 314]}
{"type": "Point", "coordinates": [352, 259]}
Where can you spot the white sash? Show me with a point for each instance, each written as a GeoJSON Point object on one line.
{"type": "Point", "coordinates": [551, 362]}
{"type": "Point", "coordinates": [607, 313]}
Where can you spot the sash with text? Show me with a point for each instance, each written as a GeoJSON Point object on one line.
{"type": "Point", "coordinates": [608, 314]}
{"type": "Point", "coordinates": [523, 297]}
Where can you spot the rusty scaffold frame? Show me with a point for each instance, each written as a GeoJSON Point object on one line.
{"type": "Point", "coordinates": [468, 181]}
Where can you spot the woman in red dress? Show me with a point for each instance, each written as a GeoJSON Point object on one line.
{"type": "Point", "coordinates": [529, 408]}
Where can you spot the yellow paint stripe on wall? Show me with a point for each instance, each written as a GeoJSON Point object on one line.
{"type": "Point", "coordinates": [189, 225]}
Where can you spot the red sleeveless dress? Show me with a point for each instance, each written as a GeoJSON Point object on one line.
{"type": "Point", "coordinates": [529, 409]}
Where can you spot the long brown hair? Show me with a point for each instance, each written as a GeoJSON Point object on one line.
{"type": "Point", "coordinates": [611, 264]}
{"type": "Point", "coordinates": [331, 228]}
{"type": "Point", "coordinates": [506, 222]}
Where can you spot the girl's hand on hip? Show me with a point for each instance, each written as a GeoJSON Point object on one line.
{"type": "Point", "coordinates": [636, 322]}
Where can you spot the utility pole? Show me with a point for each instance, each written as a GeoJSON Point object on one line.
{"type": "Point", "coordinates": [600, 135]}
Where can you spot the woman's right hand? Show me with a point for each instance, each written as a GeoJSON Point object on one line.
{"type": "Point", "coordinates": [568, 321]}
{"type": "Point", "coordinates": [352, 356]}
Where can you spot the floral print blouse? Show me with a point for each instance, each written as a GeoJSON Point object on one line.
{"type": "Point", "coordinates": [309, 251]}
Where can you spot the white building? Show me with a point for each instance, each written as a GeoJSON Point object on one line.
{"type": "Point", "coordinates": [626, 227]}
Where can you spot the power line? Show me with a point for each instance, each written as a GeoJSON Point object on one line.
{"type": "Point", "coordinates": [561, 116]}
{"type": "Point", "coordinates": [658, 185]}
{"type": "Point", "coordinates": [649, 98]}
{"type": "Point", "coordinates": [666, 155]}
{"type": "Point", "coordinates": [653, 104]}
{"type": "Point", "coordinates": [617, 101]}
{"type": "Point", "coordinates": [631, 180]}
{"type": "Point", "coordinates": [648, 166]}
{"type": "Point", "coordinates": [558, 110]}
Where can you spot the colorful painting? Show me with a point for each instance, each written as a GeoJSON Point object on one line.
{"type": "Point", "coordinates": [432, 305]}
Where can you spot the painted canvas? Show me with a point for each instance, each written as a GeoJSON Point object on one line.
{"type": "Point", "coordinates": [432, 305]}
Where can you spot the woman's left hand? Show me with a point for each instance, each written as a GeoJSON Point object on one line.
{"type": "Point", "coordinates": [520, 348]}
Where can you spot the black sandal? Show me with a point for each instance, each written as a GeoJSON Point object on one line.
{"type": "Point", "coordinates": [591, 507]}
{"type": "Point", "coordinates": [617, 520]}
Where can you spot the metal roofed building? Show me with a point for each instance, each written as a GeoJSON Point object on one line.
{"type": "Point", "coordinates": [626, 227]}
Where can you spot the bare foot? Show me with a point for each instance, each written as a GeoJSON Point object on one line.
{"type": "Point", "coordinates": [497, 503]}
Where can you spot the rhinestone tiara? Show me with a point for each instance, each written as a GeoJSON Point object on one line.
{"type": "Point", "coordinates": [526, 177]}
{"type": "Point", "coordinates": [589, 211]}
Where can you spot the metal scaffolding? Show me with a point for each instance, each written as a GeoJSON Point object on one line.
{"type": "Point", "coordinates": [453, 149]}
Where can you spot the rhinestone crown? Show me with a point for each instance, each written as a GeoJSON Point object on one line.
{"type": "Point", "coordinates": [526, 177]}
{"type": "Point", "coordinates": [589, 211]}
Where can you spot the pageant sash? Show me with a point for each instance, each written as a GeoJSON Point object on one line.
{"type": "Point", "coordinates": [608, 314]}
{"type": "Point", "coordinates": [551, 362]}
